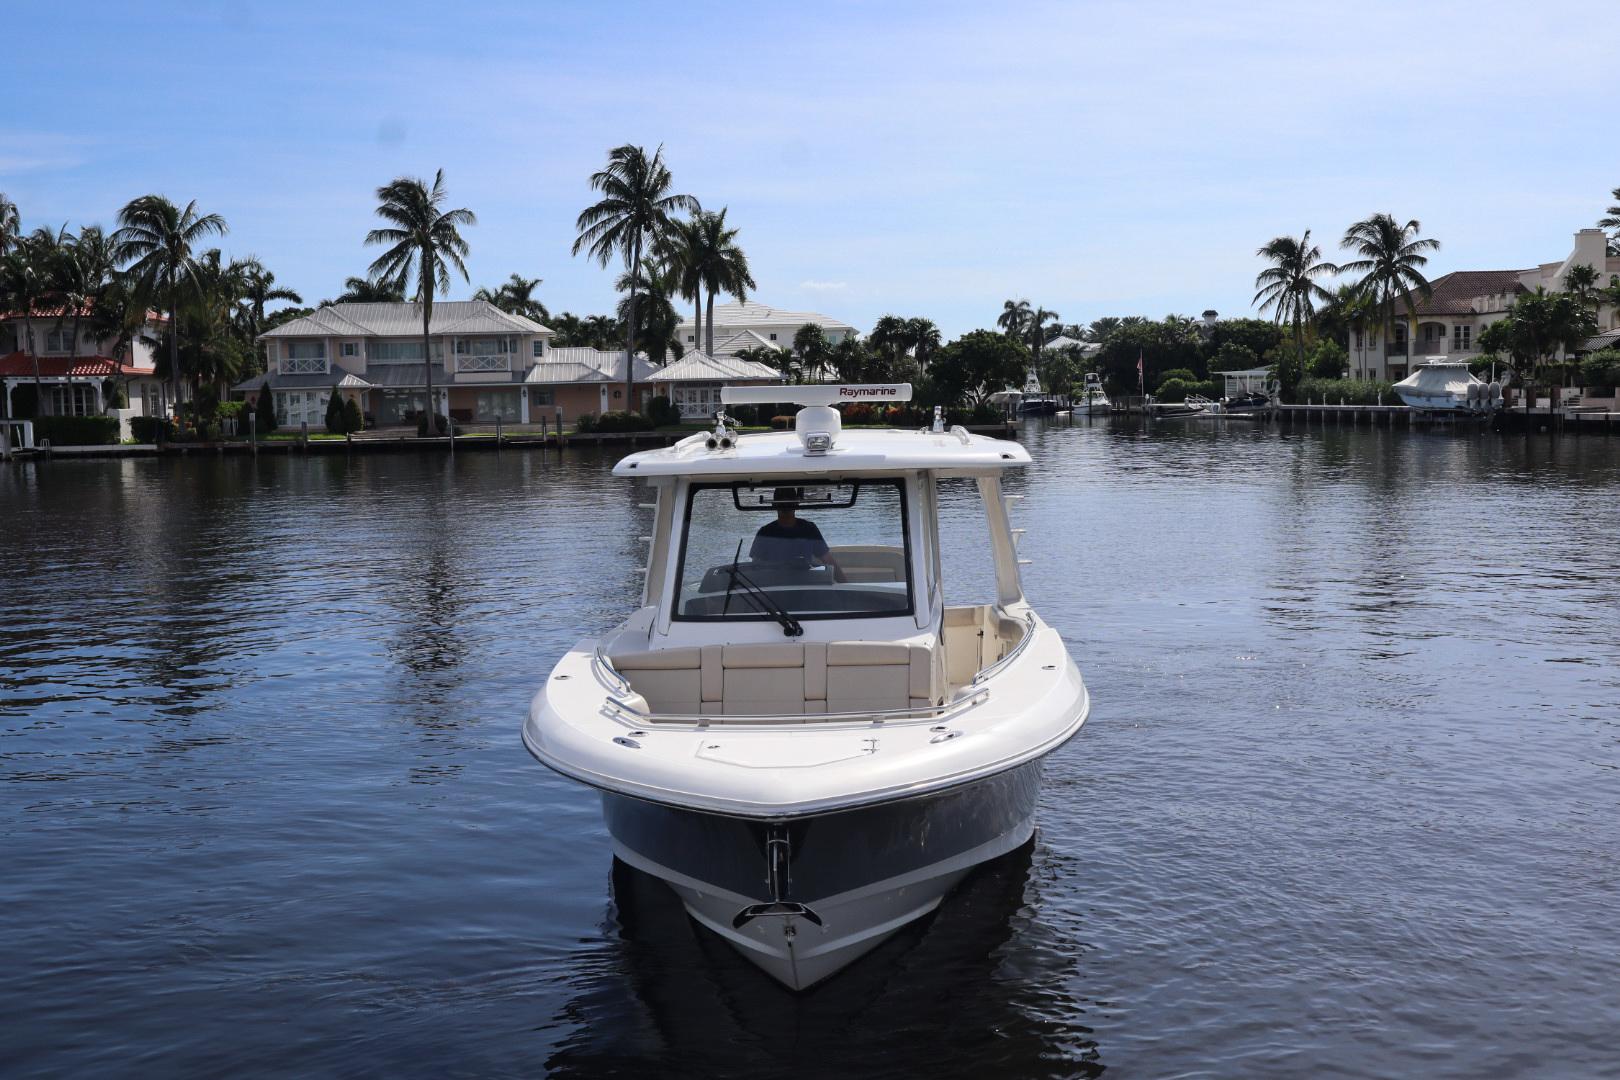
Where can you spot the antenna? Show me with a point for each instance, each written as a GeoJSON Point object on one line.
{"type": "Point", "coordinates": [815, 394]}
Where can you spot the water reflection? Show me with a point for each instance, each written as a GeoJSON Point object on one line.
{"type": "Point", "coordinates": [661, 996]}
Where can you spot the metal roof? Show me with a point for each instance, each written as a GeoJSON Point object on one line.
{"type": "Point", "coordinates": [338, 376]}
{"type": "Point", "coordinates": [744, 339]}
{"type": "Point", "coordinates": [754, 313]}
{"type": "Point", "coordinates": [696, 367]}
{"type": "Point", "coordinates": [405, 320]}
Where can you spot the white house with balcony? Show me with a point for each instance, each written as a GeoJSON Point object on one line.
{"type": "Point", "coordinates": [40, 358]}
{"type": "Point", "coordinates": [374, 354]}
{"type": "Point", "coordinates": [1448, 322]}
{"type": "Point", "coordinates": [752, 325]}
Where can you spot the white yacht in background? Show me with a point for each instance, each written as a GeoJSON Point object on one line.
{"type": "Point", "coordinates": [1444, 385]}
{"type": "Point", "coordinates": [1092, 400]}
{"type": "Point", "coordinates": [793, 730]}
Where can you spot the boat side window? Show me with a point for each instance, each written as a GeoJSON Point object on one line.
{"type": "Point", "coordinates": [813, 549]}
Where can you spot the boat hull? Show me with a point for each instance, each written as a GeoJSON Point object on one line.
{"type": "Point", "coordinates": [852, 878]}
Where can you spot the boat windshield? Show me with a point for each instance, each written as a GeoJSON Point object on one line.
{"type": "Point", "coordinates": [809, 549]}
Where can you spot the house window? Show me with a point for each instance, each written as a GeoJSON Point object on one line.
{"type": "Point", "coordinates": [304, 358]}
{"type": "Point", "coordinates": [397, 351]}
{"type": "Point", "coordinates": [1459, 338]}
{"type": "Point", "coordinates": [539, 347]}
{"type": "Point", "coordinates": [540, 395]}
{"type": "Point", "coordinates": [59, 341]}
{"type": "Point", "coordinates": [773, 337]}
{"type": "Point", "coordinates": [75, 399]}
{"type": "Point", "coordinates": [351, 348]}
{"type": "Point", "coordinates": [295, 407]}
{"type": "Point", "coordinates": [690, 339]}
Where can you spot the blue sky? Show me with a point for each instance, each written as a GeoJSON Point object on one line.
{"type": "Point", "coordinates": [917, 158]}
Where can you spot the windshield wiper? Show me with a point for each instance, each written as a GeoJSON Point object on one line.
{"type": "Point", "coordinates": [758, 597]}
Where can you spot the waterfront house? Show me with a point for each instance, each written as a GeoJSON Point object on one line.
{"type": "Point", "coordinates": [488, 365]}
{"type": "Point", "coordinates": [576, 381]}
{"type": "Point", "coordinates": [373, 353]}
{"type": "Point", "coordinates": [1447, 323]}
{"type": "Point", "coordinates": [83, 377]}
{"type": "Point", "coordinates": [752, 325]}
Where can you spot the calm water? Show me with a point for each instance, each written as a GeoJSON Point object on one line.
{"type": "Point", "coordinates": [1347, 804]}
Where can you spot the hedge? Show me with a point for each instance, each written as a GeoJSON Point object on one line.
{"type": "Point", "coordinates": [1350, 391]}
{"type": "Point", "coordinates": [77, 430]}
{"type": "Point", "coordinates": [612, 423]}
{"type": "Point", "coordinates": [151, 429]}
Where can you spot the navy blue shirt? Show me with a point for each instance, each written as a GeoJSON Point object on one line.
{"type": "Point", "coordinates": [779, 543]}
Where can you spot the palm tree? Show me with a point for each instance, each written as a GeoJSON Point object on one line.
{"type": "Point", "coordinates": [1582, 283]}
{"type": "Point", "coordinates": [1038, 320]}
{"type": "Point", "coordinates": [1391, 263]}
{"type": "Point", "coordinates": [258, 289]}
{"type": "Point", "coordinates": [25, 287]}
{"type": "Point", "coordinates": [47, 253]}
{"type": "Point", "coordinates": [359, 290]}
{"type": "Point", "coordinates": [810, 346]}
{"type": "Point", "coordinates": [83, 267]}
{"type": "Point", "coordinates": [631, 217]}
{"type": "Point", "coordinates": [1612, 222]}
{"type": "Point", "coordinates": [1543, 323]}
{"type": "Point", "coordinates": [923, 337]}
{"type": "Point", "coordinates": [1014, 317]}
{"type": "Point", "coordinates": [683, 254]}
{"type": "Point", "coordinates": [424, 241]}
{"type": "Point", "coordinates": [10, 224]}
{"type": "Point", "coordinates": [1288, 287]}
{"type": "Point", "coordinates": [155, 238]}
{"type": "Point", "coordinates": [600, 331]}
{"type": "Point", "coordinates": [889, 336]}
{"type": "Point", "coordinates": [515, 296]}
{"type": "Point", "coordinates": [1354, 309]}
{"type": "Point", "coordinates": [655, 318]}
{"type": "Point", "coordinates": [717, 264]}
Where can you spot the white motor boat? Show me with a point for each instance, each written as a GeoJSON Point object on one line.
{"type": "Point", "coordinates": [793, 730]}
{"type": "Point", "coordinates": [1444, 385]}
{"type": "Point", "coordinates": [1092, 400]}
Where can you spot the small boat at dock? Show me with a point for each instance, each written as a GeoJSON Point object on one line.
{"type": "Point", "coordinates": [1444, 385]}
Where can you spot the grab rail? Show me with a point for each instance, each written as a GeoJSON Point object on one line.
{"type": "Point", "coordinates": [1029, 632]}
{"type": "Point", "coordinates": [978, 697]}
{"type": "Point", "coordinates": [603, 668]}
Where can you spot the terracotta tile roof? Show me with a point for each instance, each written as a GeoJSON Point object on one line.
{"type": "Point", "coordinates": [1454, 293]}
{"type": "Point", "coordinates": [19, 365]}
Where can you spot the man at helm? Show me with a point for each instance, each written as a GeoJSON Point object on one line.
{"type": "Point", "coordinates": [790, 538]}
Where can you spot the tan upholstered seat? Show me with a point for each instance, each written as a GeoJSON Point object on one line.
{"type": "Point", "coordinates": [788, 679]}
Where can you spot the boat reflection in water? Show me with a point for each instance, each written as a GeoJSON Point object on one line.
{"type": "Point", "coordinates": [976, 981]}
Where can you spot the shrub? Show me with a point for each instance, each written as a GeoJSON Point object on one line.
{"type": "Point", "coordinates": [1351, 391]}
{"type": "Point", "coordinates": [860, 412]}
{"type": "Point", "coordinates": [77, 430]}
{"type": "Point", "coordinates": [586, 424]}
{"type": "Point", "coordinates": [1326, 359]}
{"type": "Point", "coordinates": [1179, 374]}
{"type": "Point", "coordinates": [661, 412]}
{"type": "Point", "coordinates": [334, 412]}
{"type": "Point", "coordinates": [264, 411]}
{"type": "Point", "coordinates": [151, 429]}
{"type": "Point", "coordinates": [782, 423]}
{"type": "Point", "coordinates": [616, 422]}
{"type": "Point", "coordinates": [1601, 370]}
{"type": "Point", "coordinates": [352, 420]}
{"type": "Point", "coordinates": [1174, 390]}
{"type": "Point", "coordinates": [441, 423]}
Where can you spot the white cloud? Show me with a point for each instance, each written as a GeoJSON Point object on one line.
{"type": "Point", "coordinates": [824, 286]}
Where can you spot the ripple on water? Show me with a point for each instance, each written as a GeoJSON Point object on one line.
{"type": "Point", "coordinates": [1345, 806]}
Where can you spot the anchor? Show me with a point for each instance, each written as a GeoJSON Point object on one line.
{"type": "Point", "coordinates": [778, 854]}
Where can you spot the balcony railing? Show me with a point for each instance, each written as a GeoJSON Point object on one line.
{"type": "Point", "coordinates": [303, 365]}
{"type": "Point", "coordinates": [484, 362]}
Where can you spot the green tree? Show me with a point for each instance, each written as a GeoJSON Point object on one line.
{"type": "Point", "coordinates": [334, 413]}
{"type": "Point", "coordinates": [352, 418]}
{"type": "Point", "coordinates": [719, 265]}
{"type": "Point", "coordinates": [258, 290]}
{"type": "Point", "coordinates": [1290, 286]}
{"type": "Point", "coordinates": [631, 218]}
{"type": "Point", "coordinates": [265, 409]}
{"type": "Point", "coordinates": [359, 290]}
{"type": "Point", "coordinates": [655, 321]}
{"type": "Point", "coordinates": [976, 365]}
{"type": "Point", "coordinates": [922, 337]}
{"type": "Point", "coordinates": [26, 286]}
{"type": "Point", "coordinates": [810, 347]}
{"type": "Point", "coordinates": [424, 240]}
{"type": "Point", "coordinates": [10, 225]}
{"type": "Point", "coordinates": [1612, 222]}
{"type": "Point", "coordinates": [515, 296]}
{"type": "Point", "coordinates": [1015, 318]}
{"type": "Point", "coordinates": [1582, 282]}
{"type": "Point", "coordinates": [1326, 359]}
{"type": "Point", "coordinates": [156, 241]}
{"type": "Point", "coordinates": [1543, 331]}
{"type": "Point", "coordinates": [1391, 264]}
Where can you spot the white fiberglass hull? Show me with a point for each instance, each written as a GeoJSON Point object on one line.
{"type": "Point", "coordinates": [847, 881]}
